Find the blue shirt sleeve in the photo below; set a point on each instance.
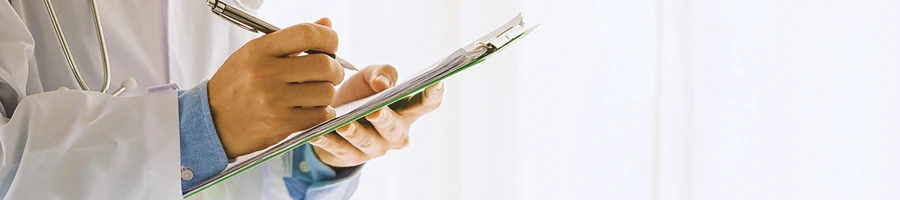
(202, 154)
(312, 179)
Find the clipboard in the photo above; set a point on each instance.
(463, 58)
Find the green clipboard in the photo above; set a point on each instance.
(467, 56)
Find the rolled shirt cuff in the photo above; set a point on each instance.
(202, 154)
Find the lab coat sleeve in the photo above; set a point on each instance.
(89, 145)
(76, 144)
(312, 179)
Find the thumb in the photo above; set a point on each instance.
(324, 22)
(365, 83)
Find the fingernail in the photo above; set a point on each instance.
(383, 115)
(380, 113)
(346, 130)
(383, 79)
(317, 141)
(439, 87)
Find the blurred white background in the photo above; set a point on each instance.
(642, 99)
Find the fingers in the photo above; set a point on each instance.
(306, 95)
(380, 77)
(390, 125)
(369, 81)
(314, 67)
(282, 126)
(334, 150)
(355, 144)
(298, 38)
(425, 102)
(434, 95)
(300, 118)
(365, 139)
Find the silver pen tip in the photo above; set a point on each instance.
(345, 64)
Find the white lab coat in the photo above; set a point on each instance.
(88, 145)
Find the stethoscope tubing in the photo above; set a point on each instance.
(65, 47)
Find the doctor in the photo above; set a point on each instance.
(74, 144)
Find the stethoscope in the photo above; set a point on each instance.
(126, 84)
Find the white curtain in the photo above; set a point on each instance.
(643, 99)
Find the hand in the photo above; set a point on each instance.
(264, 91)
(383, 130)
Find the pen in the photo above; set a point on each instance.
(249, 22)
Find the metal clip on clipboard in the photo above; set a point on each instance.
(502, 39)
(460, 60)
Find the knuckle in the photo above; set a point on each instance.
(324, 113)
(260, 76)
(364, 142)
(329, 112)
(315, 93)
(267, 97)
(255, 76)
(337, 73)
(325, 68)
(338, 152)
(320, 62)
(324, 33)
(302, 30)
(330, 69)
(315, 32)
(331, 33)
(333, 37)
(328, 91)
(392, 127)
(255, 48)
(254, 45)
